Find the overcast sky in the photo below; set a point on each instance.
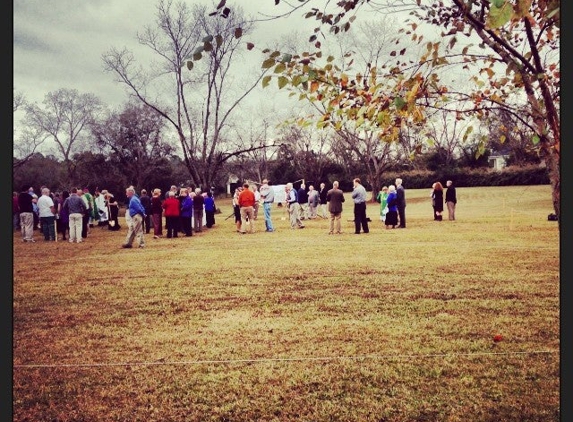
(59, 43)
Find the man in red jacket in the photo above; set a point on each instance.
(247, 206)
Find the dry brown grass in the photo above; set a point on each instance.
(297, 325)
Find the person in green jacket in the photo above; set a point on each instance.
(382, 198)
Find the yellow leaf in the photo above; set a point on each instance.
(282, 81)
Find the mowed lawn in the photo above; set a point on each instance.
(297, 325)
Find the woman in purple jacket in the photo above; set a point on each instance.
(186, 211)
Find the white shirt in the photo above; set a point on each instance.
(44, 204)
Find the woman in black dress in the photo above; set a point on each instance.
(438, 201)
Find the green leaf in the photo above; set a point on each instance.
(208, 38)
(535, 139)
(499, 16)
(266, 81)
(498, 3)
(399, 103)
(199, 50)
(286, 58)
(189, 64)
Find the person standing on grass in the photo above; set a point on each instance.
(210, 210)
(432, 191)
(257, 201)
(302, 199)
(237, 208)
(392, 214)
(313, 202)
(146, 202)
(101, 205)
(198, 210)
(93, 214)
(113, 211)
(268, 198)
(451, 200)
(137, 214)
(247, 205)
(359, 198)
(157, 212)
(185, 212)
(64, 217)
(438, 201)
(335, 198)
(382, 198)
(75, 206)
(293, 207)
(47, 213)
(401, 198)
(26, 210)
(15, 212)
(171, 209)
(323, 202)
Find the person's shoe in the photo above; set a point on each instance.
(301, 227)
(126, 246)
(156, 237)
(142, 246)
(330, 232)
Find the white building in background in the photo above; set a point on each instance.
(498, 161)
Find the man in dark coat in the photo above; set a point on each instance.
(451, 200)
(401, 198)
(335, 198)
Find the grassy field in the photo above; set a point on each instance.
(297, 325)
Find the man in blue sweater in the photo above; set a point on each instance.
(137, 213)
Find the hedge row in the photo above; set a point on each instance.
(509, 176)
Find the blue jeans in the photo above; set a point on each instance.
(48, 227)
(267, 209)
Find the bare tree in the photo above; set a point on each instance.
(366, 147)
(202, 98)
(65, 119)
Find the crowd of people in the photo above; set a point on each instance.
(72, 214)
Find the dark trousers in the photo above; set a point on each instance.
(146, 226)
(172, 226)
(360, 218)
(210, 217)
(85, 223)
(48, 227)
(186, 226)
(402, 215)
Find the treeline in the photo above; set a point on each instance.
(97, 171)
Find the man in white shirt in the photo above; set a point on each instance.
(47, 213)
